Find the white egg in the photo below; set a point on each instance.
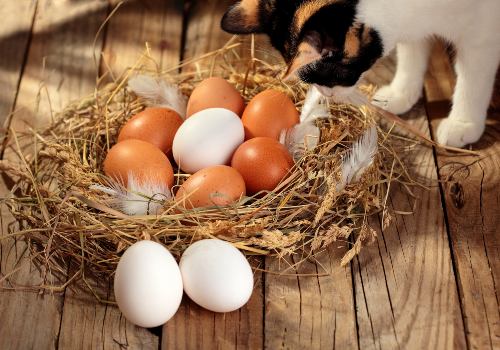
(216, 275)
(207, 138)
(148, 284)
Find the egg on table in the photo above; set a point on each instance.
(215, 93)
(216, 275)
(140, 160)
(218, 185)
(148, 284)
(268, 113)
(263, 162)
(157, 126)
(207, 138)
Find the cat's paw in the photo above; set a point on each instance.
(397, 101)
(458, 133)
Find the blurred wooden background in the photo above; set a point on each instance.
(430, 281)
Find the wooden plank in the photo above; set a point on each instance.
(60, 67)
(19, 317)
(134, 24)
(203, 32)
(303, 310)
(307, 311)
(440, 77)
(192, 327)
(288, 322)
(157, 23)
(87, 324)
(15, 33)
(195, 328)
(472, 197)
(28, 320)
(405, 285)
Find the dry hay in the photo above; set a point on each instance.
(64, 221)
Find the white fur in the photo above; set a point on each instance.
(474, 29)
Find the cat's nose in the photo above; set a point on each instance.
(290, 73)
(306, 54)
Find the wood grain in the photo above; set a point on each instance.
(440, 77)
(472, 198)
(15, 31)
(27, 320)
(60, 67)
(399, 293)
(310, 306)
(60, 55)
(305, 316)
(159, 24)
(203, 32)
(192, 327)
(405, 287)
(85, 323)
(195, 328)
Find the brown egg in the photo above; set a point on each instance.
(145, 161)
(154, 125)
(263, 162)
(217, 185)
(215, 93)
(268, 113)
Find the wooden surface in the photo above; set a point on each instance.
(405, 283)
(471, 205)
(428, 282)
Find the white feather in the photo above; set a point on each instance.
(314, 105)
(305, 135)
(139, 198)
(359, 158)
(301, 138)
(158, 92)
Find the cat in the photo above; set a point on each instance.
(331, 43)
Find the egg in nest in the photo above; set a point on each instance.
(157, 126)
(263, 162)
(219, 185)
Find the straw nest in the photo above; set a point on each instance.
(66, 223)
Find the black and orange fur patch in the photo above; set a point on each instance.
(345, 48)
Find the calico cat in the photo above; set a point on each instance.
(330, 43)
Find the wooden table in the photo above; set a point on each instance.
(429, 281)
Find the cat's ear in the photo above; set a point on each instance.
(306, 54)
(242, 18)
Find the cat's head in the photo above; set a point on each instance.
(320, 40)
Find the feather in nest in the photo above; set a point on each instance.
(305, 135)
(158, 92)
(362, 154)
(359, 158)
(139, 198)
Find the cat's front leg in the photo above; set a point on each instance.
(476, 69)
(406, 87)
